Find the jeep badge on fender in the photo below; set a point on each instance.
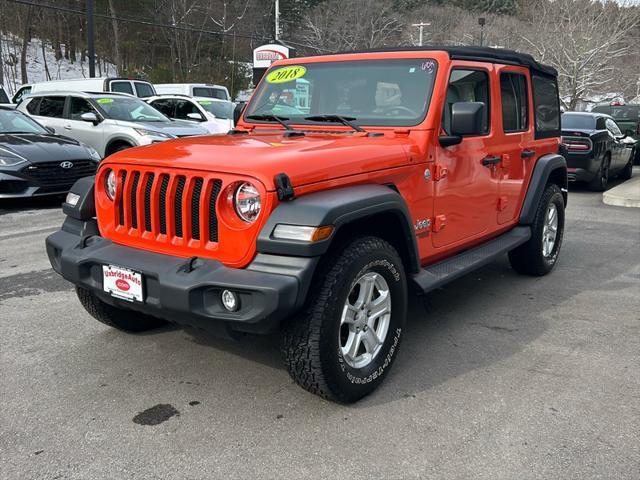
(313, 216)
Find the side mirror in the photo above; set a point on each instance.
(195, 116)
(237, 112)
(90, 117)
(51, 130)
(467, 118)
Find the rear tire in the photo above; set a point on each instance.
(601, 180)
(125, 320)
(344, 342)
(627, 171)
(537, 256)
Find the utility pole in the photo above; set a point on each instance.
(481, 22)
(277, 35)
(421, 26)
(90, 40)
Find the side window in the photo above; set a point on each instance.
(32, 106)
(220, 93)
(515, 102)
(165, 106)
(52, 107)
(600, 124)
(467, 86)
(185, 107)
(612, 127)
(122, 87)
(20, 94)
(78, 106)
(3, 96)
(144, 90)
(546, 106)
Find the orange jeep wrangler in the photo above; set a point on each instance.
(349, 181)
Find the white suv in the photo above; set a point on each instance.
(109, 122)
(216, 116)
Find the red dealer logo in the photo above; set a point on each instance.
(272, 55)
(122, 284)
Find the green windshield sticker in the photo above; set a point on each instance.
(205, 102)
(105, 100)
(286, 74)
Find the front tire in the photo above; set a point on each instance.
(343, 343)
(539, 254)
(125, 320)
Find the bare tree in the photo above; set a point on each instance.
(583, 40)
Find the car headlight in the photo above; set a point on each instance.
(152, 133)
(9, 158)
(247, 202)
(110, 184)
(93, 153)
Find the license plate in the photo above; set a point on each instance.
(122, 283)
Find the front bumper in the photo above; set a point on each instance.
(270, 289)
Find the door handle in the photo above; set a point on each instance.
(67, 127)
(528, 153)
(490, 161)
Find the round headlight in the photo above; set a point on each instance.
(247, 202)
(110, 184)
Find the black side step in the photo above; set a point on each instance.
(436, 275)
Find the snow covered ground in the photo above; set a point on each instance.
(58, 70)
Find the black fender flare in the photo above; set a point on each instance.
(85, 207)
(337, 207)
(546, 166)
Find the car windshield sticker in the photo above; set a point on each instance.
(286, 74)
(105, 100)
(205, 102)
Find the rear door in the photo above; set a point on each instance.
(51, 113)
(516, 135)
(466, 187)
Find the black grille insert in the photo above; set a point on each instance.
(121, 201)
(213, 216)
(134, 200)
(178, 205)
(163, 204)
(195, 209)
(147, 202)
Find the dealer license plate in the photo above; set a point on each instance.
(122, 283)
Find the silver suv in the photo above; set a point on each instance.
(109, 122)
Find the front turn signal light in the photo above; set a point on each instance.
(302, 233)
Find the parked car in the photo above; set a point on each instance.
(595, 148)
(216, 116)
(135, 87)
(194, 90)
(34, 161)
(628, 119)
(108, 122)
(3, 96)
(320, 223)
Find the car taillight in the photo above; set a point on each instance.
(575, 144)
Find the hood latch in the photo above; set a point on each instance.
(284, 187)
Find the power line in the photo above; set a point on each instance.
(189, 28)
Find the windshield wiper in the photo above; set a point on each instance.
(267, 117)
(348, 121)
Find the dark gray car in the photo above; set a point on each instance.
(33, 161)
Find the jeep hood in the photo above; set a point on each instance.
(306, 159)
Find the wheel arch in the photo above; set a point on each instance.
(551, 168)
(108, 149)
(356, 210)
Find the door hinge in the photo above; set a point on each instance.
(439, 222)
(439, 172)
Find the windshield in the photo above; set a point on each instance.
(12, 121)
(129, 109)
(374, 92)
(219, 109)
(586, 122)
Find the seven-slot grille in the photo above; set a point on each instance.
(168, 204)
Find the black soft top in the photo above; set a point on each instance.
(482, 54)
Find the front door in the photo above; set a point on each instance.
(466, 187)
(78, 129)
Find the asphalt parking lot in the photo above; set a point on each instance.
(499, 377)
